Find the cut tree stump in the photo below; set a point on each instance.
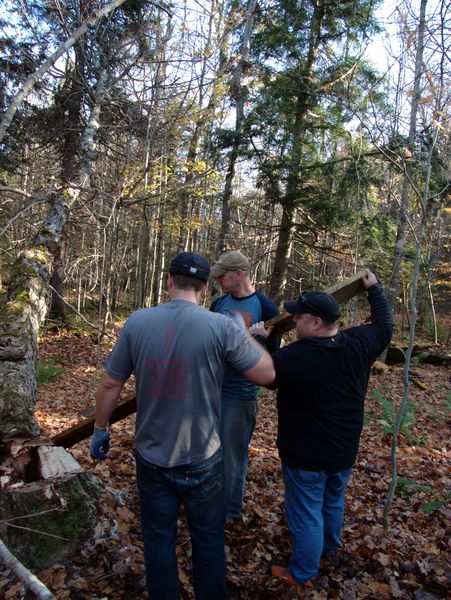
(47, 500)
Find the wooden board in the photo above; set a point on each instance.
(84, 428)
(347, 289)
(342, 292)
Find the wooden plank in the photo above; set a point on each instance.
(84, 428)
(342, 292)
(348, 288)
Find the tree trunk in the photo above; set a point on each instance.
(279, 274)
(402, 220)
(238, 93)
(291, 197)
(57, 306)
(26, 306)
(43, 486)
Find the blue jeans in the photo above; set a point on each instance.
(200, 488)
(237, 426)
(314, 507)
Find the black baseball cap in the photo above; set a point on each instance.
(190, 264)
(319, 304)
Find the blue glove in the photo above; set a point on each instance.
(100, 441)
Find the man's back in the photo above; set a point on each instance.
(178, 352)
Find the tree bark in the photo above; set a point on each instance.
(402, 220)
(291, 197)
(30, 581)
(238, 93)
(28, 294)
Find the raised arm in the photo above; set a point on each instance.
(381, 313)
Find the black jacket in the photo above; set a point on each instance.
(322, 383)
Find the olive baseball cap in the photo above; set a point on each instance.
(190, 264)
(233, 260)
(319, 304)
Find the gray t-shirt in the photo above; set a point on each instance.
(179, 352)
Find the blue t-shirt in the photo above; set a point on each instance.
(253, 308)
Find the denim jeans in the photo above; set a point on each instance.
(200, 488)
(237, 426)
(314, 507)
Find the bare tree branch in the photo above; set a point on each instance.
(32, 79)
(24, 575)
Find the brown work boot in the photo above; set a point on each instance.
(285, 576)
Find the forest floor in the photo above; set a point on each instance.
(409, 560)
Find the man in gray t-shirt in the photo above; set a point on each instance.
(178, 352)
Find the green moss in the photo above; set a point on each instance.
(73, 519)
(48, 371)
(11, 311)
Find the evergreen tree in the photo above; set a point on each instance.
(311, 81)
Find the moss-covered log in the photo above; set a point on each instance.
(424, 353)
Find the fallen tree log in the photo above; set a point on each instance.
(423, 353)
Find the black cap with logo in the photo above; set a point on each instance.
(319, 304)
(190, 264)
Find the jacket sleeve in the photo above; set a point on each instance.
(381, 317)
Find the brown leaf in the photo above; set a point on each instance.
(382, 590)
(384, 559)
(14, 592)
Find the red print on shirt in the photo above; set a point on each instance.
(168, 377)
(247, 316)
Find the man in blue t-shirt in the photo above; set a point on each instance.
(239, 396)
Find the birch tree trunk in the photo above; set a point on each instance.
(42, 482)
(37, 75)
(407, 363)
(28, 294)
(423, 196)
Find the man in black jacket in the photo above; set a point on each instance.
(322, 381)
